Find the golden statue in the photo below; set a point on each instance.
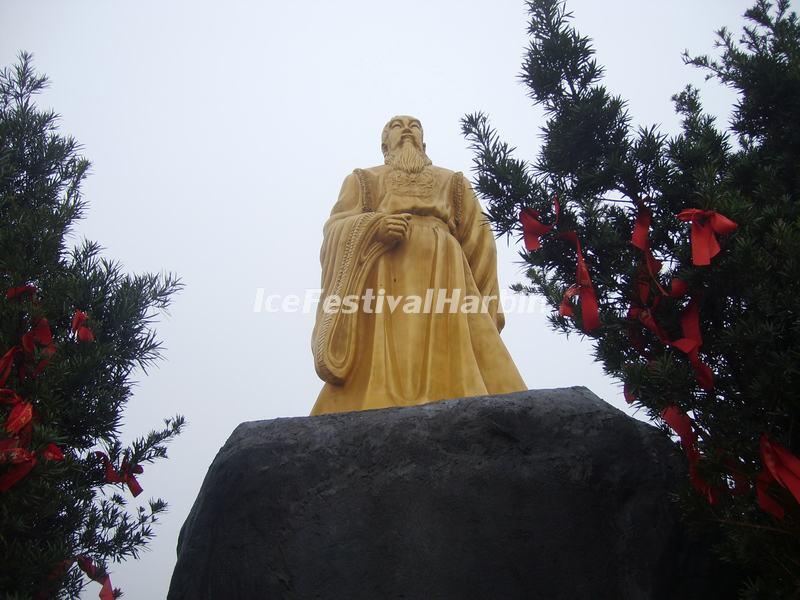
(410, 310)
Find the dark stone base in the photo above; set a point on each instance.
(542, 494)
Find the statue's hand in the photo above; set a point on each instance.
(393, 228)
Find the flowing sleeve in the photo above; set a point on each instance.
(474, 233)
(349, 251)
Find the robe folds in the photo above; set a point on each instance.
(385, 348)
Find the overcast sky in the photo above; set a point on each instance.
(220, 133)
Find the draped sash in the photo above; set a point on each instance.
(349, 252)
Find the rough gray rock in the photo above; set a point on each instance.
(541, 494)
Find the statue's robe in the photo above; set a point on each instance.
(400, 357)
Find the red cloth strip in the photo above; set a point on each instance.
(125, 475)
(533, 229)
(583, 288)
(88, 567)
(705, 225)
(681, 424)
(782, 465)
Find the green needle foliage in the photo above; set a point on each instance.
(66, 508)
(605, 172)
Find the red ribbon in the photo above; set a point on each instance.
(644, 311)
(10, 451)
(705, 225)
(48, 352)
(125, 475)
(39, 334)
(47, 589)
(782, 464)
(781, 467)
(681, 424)
(692, 339)
(9, 396)
(644, 315)
(640, 239)
(649, 271)
(641, 228)
(19, 291)
(83, 333)
(628, 394)
(583, 288)
(88, 567)
(19, 417)
(52, 452)
(23, 461)
(765, 501)
(7, 362)
(677, 288)
(533, 229)
(10, 478)
(690, 344)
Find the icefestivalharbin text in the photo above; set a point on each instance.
(434, 301)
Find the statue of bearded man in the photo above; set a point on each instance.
(410, 309)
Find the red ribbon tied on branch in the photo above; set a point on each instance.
(22, 460)
(82, 333)
(643, 312)
(681, 424)
(7, 362)
(21, 413)
(125, 475)
(582, 288)
(781, 467)
(39, 335)
(9, 397)
(690, 344)
(52, 452)
(641, 228)
(706, 224)
(533, 229)
(88, 567)
(630, 398)
(19, 291)
(19, 417)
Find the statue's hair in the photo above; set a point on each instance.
(385, 132)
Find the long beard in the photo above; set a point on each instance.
(408, 158)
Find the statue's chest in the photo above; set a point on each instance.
(413, 192)
(416, 185)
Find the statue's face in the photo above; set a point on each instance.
(404, 130)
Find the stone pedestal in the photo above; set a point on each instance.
(542, 494)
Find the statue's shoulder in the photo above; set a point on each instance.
(363, 184)
(442, 172)
(456, 180)
(372, 172)
(378, 170)
(367, 177)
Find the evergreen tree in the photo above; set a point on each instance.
(623, 228)
(73, 327)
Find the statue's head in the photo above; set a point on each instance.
(402, 144)
(399, 130)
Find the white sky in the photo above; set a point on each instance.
(220, 134)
